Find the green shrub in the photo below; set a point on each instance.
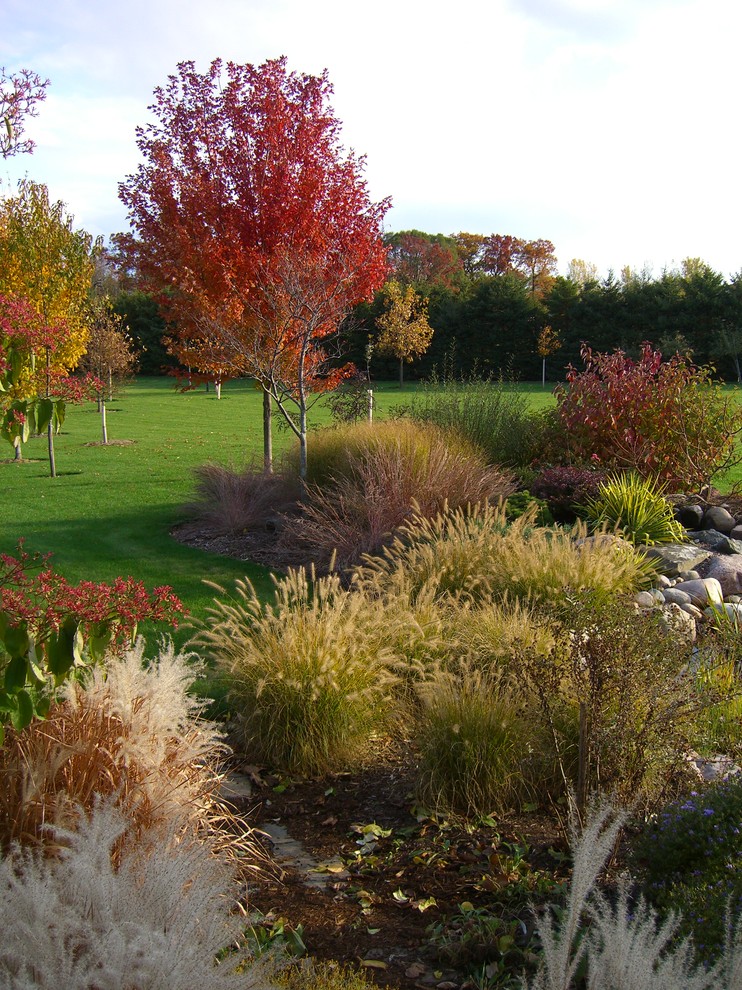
(624, 690)
(689, 861)
(636, 508)
(309, 677)
(520, 502)
(490, 412)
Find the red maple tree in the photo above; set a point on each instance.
(257, 223)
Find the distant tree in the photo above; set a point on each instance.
(404, 330)
(581, 272)
(424, 260)
(470, 249)
(548, 342)
(147, 329)
(500, 254)
(537, 262)
(249, 210)
(49, 265)
(20, 94)
(110, 356)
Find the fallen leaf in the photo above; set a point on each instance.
(331, 820)
(374, 963)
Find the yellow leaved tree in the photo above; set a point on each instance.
(404, 331)
(48, 266)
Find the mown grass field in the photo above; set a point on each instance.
(111, 508)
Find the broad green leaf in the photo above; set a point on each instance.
(60, 648)
(44, 414)
(16, 640)
(15, 674)
(22, 716)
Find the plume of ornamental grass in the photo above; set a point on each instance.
(131, 730)
(403, 468)
(617, 942)
(475, 553)
(310, 676)
(112, 913)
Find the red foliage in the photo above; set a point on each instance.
(252, 219)
(417, 259)
(662, 419)
(44, 600)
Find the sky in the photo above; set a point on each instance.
(609, 127)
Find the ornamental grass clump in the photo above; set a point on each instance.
(230, 501)
(398, 468)
(475, 553)
(616, 941)
(309, 675)
(130, 730)
(476, 743)
(109, 912)
(635, 508)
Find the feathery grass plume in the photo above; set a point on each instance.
(475, 553)
(475, 743)
(231, 501)
(157, 913)
(310, 675)
(402, 468)
(617, 940)
(637, 509)
(133, 730)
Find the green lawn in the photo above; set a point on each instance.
(111, 508)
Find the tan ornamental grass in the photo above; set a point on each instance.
(310, 676)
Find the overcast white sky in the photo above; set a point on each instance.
(610, 127)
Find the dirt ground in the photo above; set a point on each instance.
(366, 876)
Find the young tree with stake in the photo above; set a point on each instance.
(250, 213)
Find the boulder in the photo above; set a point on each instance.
(727, 571)
(675, 597)
(704, 591)
(719, 518)
(716, 541)
(690, 516)
(675, 558)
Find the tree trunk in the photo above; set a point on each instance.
(370, 393)
(50, 443)
(17, 448)
(543, 372)
(267, 434)
(218, 389)
(736, 365)
(302, 445)
(103, 419)
(401, 372)
(50, 427)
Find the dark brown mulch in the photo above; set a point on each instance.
(375, 900)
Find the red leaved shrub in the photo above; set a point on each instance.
(662, 419)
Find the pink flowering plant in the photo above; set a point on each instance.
(50, 629)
